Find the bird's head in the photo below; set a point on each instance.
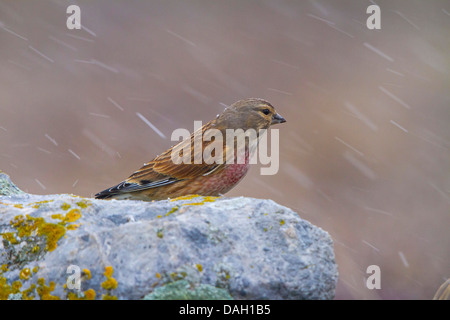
(249, 114)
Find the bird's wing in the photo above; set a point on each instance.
(192, 160)
(163, 170)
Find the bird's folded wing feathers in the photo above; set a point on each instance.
(163, 170)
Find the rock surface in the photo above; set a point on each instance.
(190, 247)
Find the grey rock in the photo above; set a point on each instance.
(246, 248)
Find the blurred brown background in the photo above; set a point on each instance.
(365, 151)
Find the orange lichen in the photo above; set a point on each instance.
(205, 199)
(44, 291)
(89, 294)
(25, 274)
(110, 283)
(108, 271)
(72, 215)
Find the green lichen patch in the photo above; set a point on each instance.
(183, 290)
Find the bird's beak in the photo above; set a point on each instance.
(277, 119)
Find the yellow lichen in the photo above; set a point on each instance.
(199, 267)
(281, 222)
(190, 197)
(73, 296)
(110, 283)
(5, 288)
(205, 199)
(20, 206)
(72, 215)
(16, 285)
(108, 271)
(44, 291)
(158, 275)
(87, 272)
(9, 236)
(40, 287)
(57, 216)
(65, 206)
(37, 205)
(89, 294)
(25, 274)
(108, 297)
(31, 226)
(172, 210)
(28, 293)
(53, 232)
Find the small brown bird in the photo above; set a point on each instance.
(164, 178)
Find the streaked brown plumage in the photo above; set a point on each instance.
(161, 178)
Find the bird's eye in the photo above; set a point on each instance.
(266, 111)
